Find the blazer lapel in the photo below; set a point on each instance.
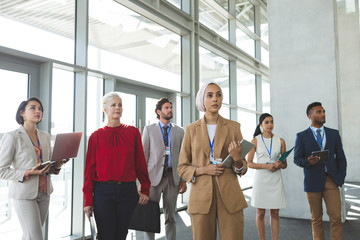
(173, 135)
(203, 137)
(25, 137)
(160, 135)
(327, 133)
(220, 136)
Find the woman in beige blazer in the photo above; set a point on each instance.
(215, 196)
(21, 154)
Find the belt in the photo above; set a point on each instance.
(113, 182)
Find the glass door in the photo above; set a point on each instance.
(13, 90)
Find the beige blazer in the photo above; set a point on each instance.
(154, 150)
(17, 154)
(195, 153)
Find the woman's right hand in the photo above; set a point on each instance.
(89, 210)
(271, 167)
(36, 171)
(212, 169)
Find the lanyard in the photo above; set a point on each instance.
(266, 146)
(212, 147)
(162, 131)
(320, 141)
(38, 147)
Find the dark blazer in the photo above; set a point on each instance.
(314, 175)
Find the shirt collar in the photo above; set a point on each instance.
(314, 129)
(162, 125)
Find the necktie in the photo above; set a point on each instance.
(318, 135)
(166, 142)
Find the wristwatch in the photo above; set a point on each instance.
(193, 179)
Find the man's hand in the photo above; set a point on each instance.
(182, 187)
(313, 159)
(213, 169)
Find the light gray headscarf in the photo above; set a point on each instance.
(200, 96)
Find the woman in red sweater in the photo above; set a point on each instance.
(114, 160)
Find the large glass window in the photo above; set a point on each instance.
(214, 68)
(129, 109)
(176, 3)
(248, 125)
(129, 45)
(266, 96)
(245, 42)
(150, 104)
(245, 13)
(39, 27)
(62, 114)
(265, 56)
(94, 104)
(13, 90)
(223, 3)
(246, 89)
(213, 19)
(264, 26)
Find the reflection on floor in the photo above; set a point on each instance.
(290, 228)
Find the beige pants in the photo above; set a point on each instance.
(331, 195)
(231, 225)
(32, 214)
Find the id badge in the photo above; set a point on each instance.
(167, 150)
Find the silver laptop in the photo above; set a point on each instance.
(66, 146)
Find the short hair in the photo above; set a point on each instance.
(311, 106)
(108, 97)
(159, 105)
(21, 108)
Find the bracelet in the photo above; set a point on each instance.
(238, 170)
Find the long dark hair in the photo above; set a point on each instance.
(261, 119)
(21, 108)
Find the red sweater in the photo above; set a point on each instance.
(115, 154)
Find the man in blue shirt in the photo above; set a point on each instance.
(162, 143)
(321, 179)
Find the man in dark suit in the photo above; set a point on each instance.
(321, 180)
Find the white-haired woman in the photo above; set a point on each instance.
(216, 196)
(114, 160)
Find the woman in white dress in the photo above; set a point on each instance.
(268, 188)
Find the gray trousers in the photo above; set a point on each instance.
(170, 193)
(32, 214)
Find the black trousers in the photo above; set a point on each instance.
(114, 204)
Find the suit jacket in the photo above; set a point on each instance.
(154, 150)
(195, 153)
(17, 154)
(314, 175)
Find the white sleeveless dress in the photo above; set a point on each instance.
(268, 187)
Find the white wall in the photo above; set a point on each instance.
(303, 69)
(349, 71)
